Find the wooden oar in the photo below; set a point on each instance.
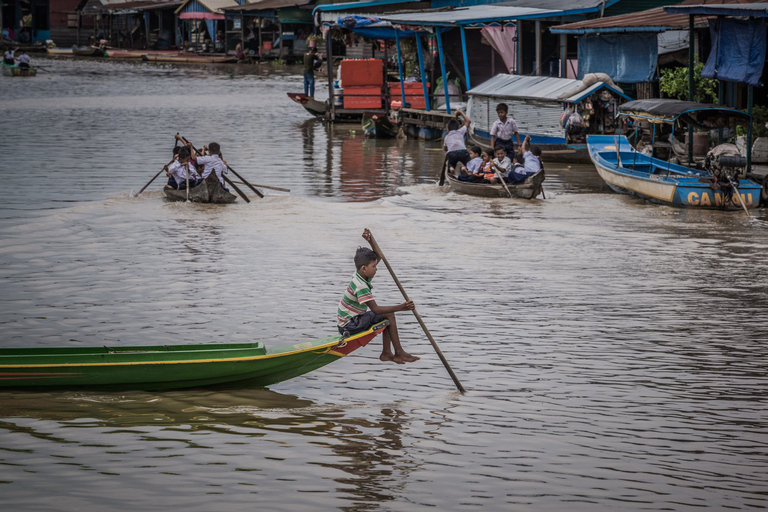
(442, 172)
(258, 192)
(227, 180)
(165, 168)
(239, 192)
(380, 253)
(265, 186)
(496, 171)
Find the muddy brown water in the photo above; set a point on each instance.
(615, 353)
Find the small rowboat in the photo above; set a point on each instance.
(528, 189)
(188, 58)
(17, 71)
(88, 51)
(379, 126)
(171, 367)
(209, 191)
(59, 51)
(313, 106)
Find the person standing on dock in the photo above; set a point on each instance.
(503, 130)
(312, 61)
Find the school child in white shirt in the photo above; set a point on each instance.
(8, 57)
(504, 129)
(453, 142)
(213, 162)
(531, 156)
(182, 170)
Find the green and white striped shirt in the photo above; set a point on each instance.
(358, 292)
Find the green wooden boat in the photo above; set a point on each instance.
(171, 367)
(17, 71)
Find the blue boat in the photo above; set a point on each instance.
(628, 171)
(716, 185)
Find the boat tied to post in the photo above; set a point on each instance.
(719, 182)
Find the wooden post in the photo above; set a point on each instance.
(329, 68)
(537, 25)
(691, 64)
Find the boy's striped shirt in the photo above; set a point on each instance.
(358, 292)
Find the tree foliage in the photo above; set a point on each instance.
(674, 83)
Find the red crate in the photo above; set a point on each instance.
(361, 101)
(356, 72)
(410, 88)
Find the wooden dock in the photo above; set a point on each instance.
(424, 124)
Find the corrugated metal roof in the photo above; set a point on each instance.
(755, 10)
(358, 5)
(538, 88)
(216, 6)
(556, 5)
(143, 5)
(470, 15)
(265, 5)
(652, 20)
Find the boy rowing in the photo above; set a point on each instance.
(353, 316)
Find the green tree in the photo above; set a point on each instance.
(674, 83)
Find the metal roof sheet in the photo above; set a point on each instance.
(357, 5)
(652, 20)
(755, 10)
(265, 5)
(538, 88)
(470, 15)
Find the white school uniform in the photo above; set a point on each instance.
(23, 58)
(505, 130)
(454, 140)
(473, 165)
(505, 164)
(531, 162)
(8, 55)
(213, 163)
(180, 172)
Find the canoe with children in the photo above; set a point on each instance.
(490, 172)
(199, 179)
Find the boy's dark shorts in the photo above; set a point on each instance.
(360, 323)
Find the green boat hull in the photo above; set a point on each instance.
(171, 367)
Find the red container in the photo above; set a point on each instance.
(359, 102)
(358, 72)
(410, 88)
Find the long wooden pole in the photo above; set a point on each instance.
(501, 179)
(165, 168)
(380, 253)
(270, 187)
(740, 199)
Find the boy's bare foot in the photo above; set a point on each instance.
(406, 357)
(389, 357)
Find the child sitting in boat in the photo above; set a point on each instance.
(181, 170)
(353, 315)
(23, 59)
(500, 166)
(531, 156)
(474, 164)
(213, 162)
(453, 142)
(517, 173)
(8, 57)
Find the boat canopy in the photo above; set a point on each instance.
(702, 115)
(544, 88)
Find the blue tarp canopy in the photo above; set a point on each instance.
(738, 50)
(627, 58)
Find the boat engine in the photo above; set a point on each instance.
(725, 163)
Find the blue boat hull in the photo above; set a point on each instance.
(629, 172)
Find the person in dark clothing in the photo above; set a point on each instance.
(312, 61)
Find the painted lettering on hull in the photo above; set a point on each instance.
(716, 199)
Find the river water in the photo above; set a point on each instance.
(615, 353)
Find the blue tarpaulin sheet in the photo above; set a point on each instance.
(738, 50)
(627, 58)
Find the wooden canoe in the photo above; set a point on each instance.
(310, 104)
(379, 126)
(188, 58)
(528, 189)
(209, 191)
(171, 367)
(88, 51)
(17, 71)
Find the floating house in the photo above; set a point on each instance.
(542, 108)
